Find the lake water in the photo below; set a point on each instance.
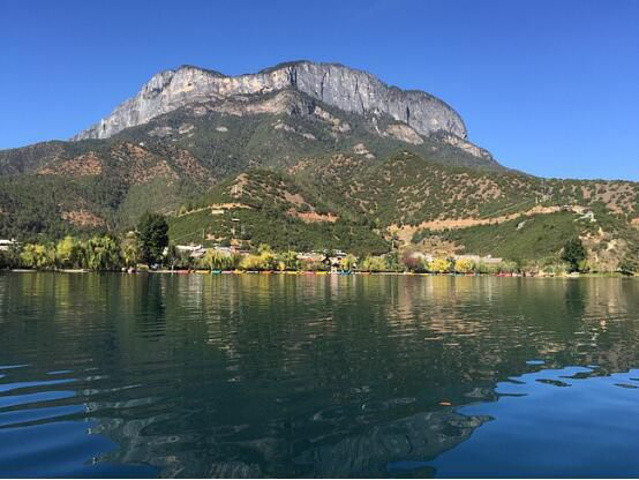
(302, 376)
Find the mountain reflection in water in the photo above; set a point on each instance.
(236, 376)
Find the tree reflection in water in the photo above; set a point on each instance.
(281, 375)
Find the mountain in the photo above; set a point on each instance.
(346, 202)
(305, 155)
(332, 84)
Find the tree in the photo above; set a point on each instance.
(9, 258)
(234, 261)
(68, 253)
(464, 265)
(374, 264)
(628, 266)
(439, 265)
(153, 231)
(289, 260)
(268, 260)
(573, 253)
(103, 253)
(252, 262)
(131, 251)
(507, 266)
(349, 262)
(37, 256)
(216, 260)
(413, 261)
(178, 258)
(392, 261)
(264, 248)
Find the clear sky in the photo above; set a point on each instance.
(549, 87)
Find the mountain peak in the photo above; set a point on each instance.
(348, 89)
(187, 66)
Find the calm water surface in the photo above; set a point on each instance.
(300, 376)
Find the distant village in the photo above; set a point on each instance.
(220, 258)
(109, 253)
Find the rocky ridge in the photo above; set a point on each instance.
(336, 85)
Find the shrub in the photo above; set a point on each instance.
(573, 253)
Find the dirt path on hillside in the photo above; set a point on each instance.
(405, 232)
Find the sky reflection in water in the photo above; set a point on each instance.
(116, 375)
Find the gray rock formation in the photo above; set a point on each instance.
(336, 85)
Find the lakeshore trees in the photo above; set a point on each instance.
(68, 253)
(464, 265)
(37, 256)
(153, 232)
(103, 253)
(289, 261)
(131, 250)
(96, 253)
(113, 253)
(216, 260)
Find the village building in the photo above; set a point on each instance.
(311, 256)
(490, 260)
(193, 251)
(424, 257)
(6, 245)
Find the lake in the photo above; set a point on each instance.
(317, 376)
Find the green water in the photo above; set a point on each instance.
(303, 376)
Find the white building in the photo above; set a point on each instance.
(5, 245)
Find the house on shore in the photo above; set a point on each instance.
(193, 251)
(488, 260)
(6, 245)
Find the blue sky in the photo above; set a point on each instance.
(549, 87)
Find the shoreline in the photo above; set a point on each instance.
(322, 273)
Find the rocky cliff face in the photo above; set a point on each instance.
(342, 87)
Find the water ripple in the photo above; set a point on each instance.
(289, 376)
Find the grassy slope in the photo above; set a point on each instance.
(407, 189)
(541, 238)
(537, 237)
(281, 232)
(271, 218)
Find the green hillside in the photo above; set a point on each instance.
(262, 206)
(56, 187)
(309, 177)
(536, 237)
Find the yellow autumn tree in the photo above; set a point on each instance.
(464, 265)
(439, 265)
